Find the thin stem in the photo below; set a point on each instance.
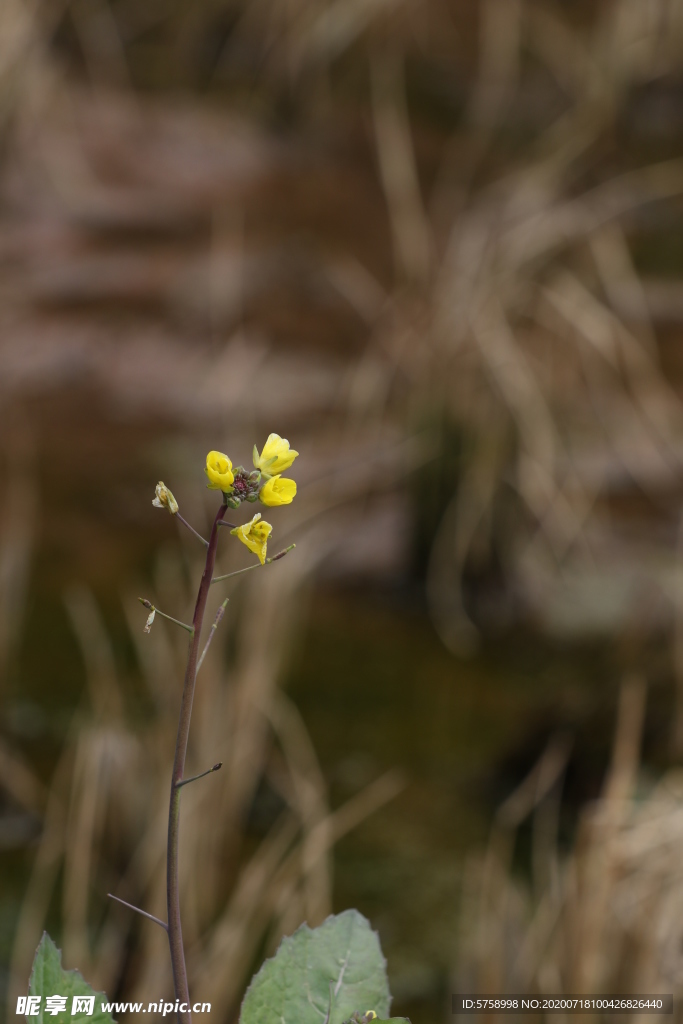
(280, 554)
(224, 523)
(219, 615)
(191, 529)
(175, 933)
(157, 920)
(148, 604)
(256, 565)
(193, 778)
(237, 572)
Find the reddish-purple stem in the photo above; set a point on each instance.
(175, 934)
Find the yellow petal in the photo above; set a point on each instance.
(254, 535)
(276, 455)
(219, 471)
(279, 490)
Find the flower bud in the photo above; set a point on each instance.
(164, 498)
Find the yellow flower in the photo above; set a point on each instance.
(254, 535)
(164, 498)
(276, 456)
(219, 471)
(279, 490)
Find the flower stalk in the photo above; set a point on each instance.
(193, 778)
(192, 529)
(236, 486)
(157, 611)
(131, 906)
(219, 615)
(256, 565)
(175, 932)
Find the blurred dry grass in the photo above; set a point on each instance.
(603, 918)
(476, 263)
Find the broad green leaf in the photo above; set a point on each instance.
(48, 978)
(321, 976)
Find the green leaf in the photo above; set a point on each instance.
(321, 976)
(48, 978)
(392, 1020)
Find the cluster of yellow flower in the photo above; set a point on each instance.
(265, 484)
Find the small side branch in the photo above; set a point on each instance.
(192, 529)
(256, 565)
(157, 611)
(219, 615)
(157, 920)
(280, 554)
(224, 523)
(193, 778)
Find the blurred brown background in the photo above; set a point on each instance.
(438, 246)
